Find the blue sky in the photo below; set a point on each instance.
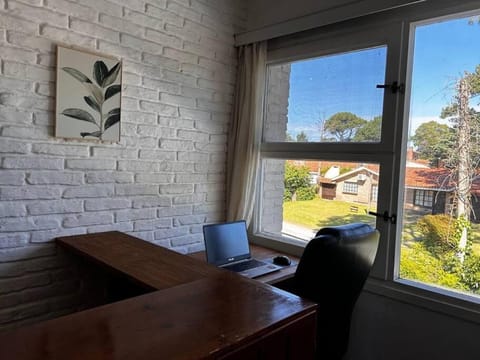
(322, 87)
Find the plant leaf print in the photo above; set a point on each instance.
(98, 93)
(100, 71)
(77, 75)
(112, 75)
(79, 114)
(113, 118)
(92, 103)
(112, 90)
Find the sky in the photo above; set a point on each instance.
(347, 82)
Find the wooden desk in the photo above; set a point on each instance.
(195, 312)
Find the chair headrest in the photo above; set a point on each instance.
(358, 239)
(347, 230)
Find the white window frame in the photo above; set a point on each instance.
(350, 187)
(374, 193)
(389, 153)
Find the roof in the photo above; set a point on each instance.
(355, 171)
(425, 178)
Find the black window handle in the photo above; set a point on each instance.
(394, 87)
(386, 217)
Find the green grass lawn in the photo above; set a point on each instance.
(417, 263)
(318, 213)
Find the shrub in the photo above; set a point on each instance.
(418, 264)
(296, 177)
(438, 233)
(344, 170)
(287, 195)
(305, 193)
(470, 273)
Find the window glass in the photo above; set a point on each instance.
(441, 217)
(423, 198)
(350, 187)
(301, 196)
(328, 99)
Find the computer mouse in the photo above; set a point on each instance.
(282, 260)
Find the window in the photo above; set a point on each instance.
(423, 198)
(327, 99)
(350, 187)
(440, 243)
(295, 209)
(324, 115)
(324, 112)
(374, 193)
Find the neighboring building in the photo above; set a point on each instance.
(358, 185)
(427, 190)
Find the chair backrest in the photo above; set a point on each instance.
(332, 272)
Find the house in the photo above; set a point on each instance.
(427, 190)
(358, 185)
(166, 176)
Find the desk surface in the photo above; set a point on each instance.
(197, 312)
(151, 265)
(262, 253)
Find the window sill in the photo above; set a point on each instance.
(287, 245)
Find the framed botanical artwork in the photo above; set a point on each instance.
(88, 95)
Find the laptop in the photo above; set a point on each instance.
(227, 246)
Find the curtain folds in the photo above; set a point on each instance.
(245, 133)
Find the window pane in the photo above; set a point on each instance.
(299, 197)
(328, 99)
(441, 227)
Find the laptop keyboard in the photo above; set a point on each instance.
(250, 264)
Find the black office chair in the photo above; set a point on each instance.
(332, 271)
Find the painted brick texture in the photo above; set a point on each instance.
(274, 130)
(161, 182)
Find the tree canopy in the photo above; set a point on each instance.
(370, 131)
(302, 137)
(434, 142)
(343, 126)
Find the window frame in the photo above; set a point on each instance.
(384, 280)
(424, 196)
(340, 40)
(350, 184)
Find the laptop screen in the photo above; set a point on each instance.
(226, 242)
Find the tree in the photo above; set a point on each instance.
(370, 131)
(302, 137)
(434, 142)
(464, 161)
(288, 137)
(297, 178)
(343, 126)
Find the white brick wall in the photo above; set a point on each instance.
(161, 182)
(275, 129)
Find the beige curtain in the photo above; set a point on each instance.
(245, 132)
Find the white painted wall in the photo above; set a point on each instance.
(384, 328)
(163, 180)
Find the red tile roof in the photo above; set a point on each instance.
(425, 178)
